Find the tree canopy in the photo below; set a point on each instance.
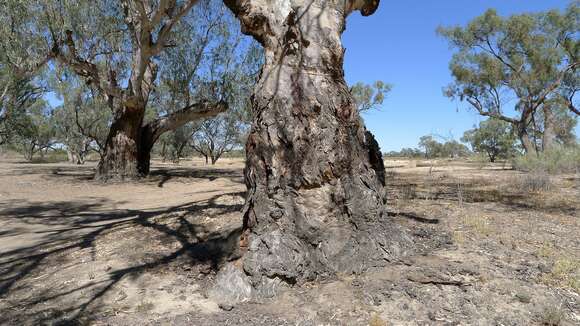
(530, 57)
(494, 138)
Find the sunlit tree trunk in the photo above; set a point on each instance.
(120, 160)
(549, 136)
(315, 176)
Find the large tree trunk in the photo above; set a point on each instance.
(315, 176)
(526, 140)
(549, 136)
(120, 160)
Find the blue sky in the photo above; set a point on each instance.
(398, 45)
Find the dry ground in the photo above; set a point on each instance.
(495, 247)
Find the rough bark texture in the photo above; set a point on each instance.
(316, 201)
(526, 140)
(549, 136)
(120, 160)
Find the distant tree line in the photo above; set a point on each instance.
(429, 147)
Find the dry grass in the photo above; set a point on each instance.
(478, 224)
(534, 182)
(565, 274)
(376, 320)
(551, 316)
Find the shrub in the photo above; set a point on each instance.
(558, 160)
(534, 182)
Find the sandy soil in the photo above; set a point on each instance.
(491, 250)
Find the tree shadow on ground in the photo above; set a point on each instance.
(163, 175)
(77, 230)
(158, 175)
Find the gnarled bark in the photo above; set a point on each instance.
(120, 159)
(316, 201)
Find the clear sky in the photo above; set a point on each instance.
(398, 45)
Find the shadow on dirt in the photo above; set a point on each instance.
(159, 175)
(163, 175)
(72, 228)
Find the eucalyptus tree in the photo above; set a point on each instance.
(532, 57)
(173, 145)
(117, 47)
(219, 63)
(82, 120)
(36, 133)
(18, 96)
(494, 138)
(19, 90)
(369, 97)
(315, 177)
(554, 125)
(216, 137)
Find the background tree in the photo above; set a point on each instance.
(554, 125)
(454, 149)
(219, 62)
(430, 146)
(448, 149)
(174, 145)
(369, 97)
(218, 136)
(493, 137)
(117, 52)
(529, 56)
(406, 152)
(19, 95)
(36, 134)
(81, 121)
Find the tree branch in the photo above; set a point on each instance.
(189, 113)
(479, 107)
(89, 71)
(366, 7)
(168, 26)
(570, 104)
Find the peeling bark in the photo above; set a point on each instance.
(316, 201)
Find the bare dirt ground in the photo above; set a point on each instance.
(495, 247)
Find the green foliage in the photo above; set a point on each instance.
(561, 159)
(36, 133)
(532, 57)
(172, 145)
(493, 137)
(82, 121)
(406, 152)
(449, 149)
(17, 95)
(369, 97)
(218, 136)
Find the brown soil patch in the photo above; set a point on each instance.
(76, 251)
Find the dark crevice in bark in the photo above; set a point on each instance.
(375, 156)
